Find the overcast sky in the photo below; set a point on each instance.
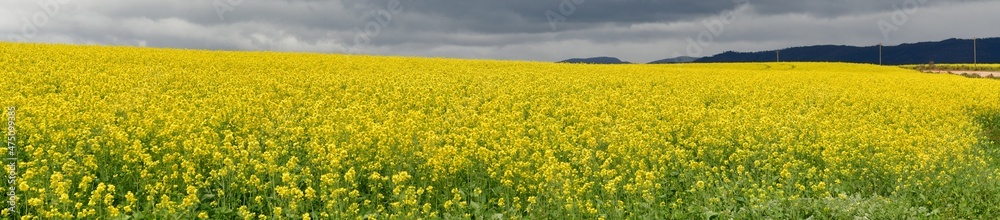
(544, 30)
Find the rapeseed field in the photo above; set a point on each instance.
(137, 133)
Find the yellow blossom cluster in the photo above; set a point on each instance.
(115, 132)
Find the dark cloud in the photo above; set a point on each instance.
(636, 30)
(530, 15)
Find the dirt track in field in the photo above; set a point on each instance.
(959, 72)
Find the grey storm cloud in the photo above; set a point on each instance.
(529, 15)
(547, 30)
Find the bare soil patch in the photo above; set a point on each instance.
(968, 72)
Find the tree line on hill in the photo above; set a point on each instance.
(987, 50)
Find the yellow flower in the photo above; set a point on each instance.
(35, 202)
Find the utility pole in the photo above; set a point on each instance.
(975, 59)
(879, 54)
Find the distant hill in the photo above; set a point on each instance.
(947, 51)
(682, 59)
(595, 60)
